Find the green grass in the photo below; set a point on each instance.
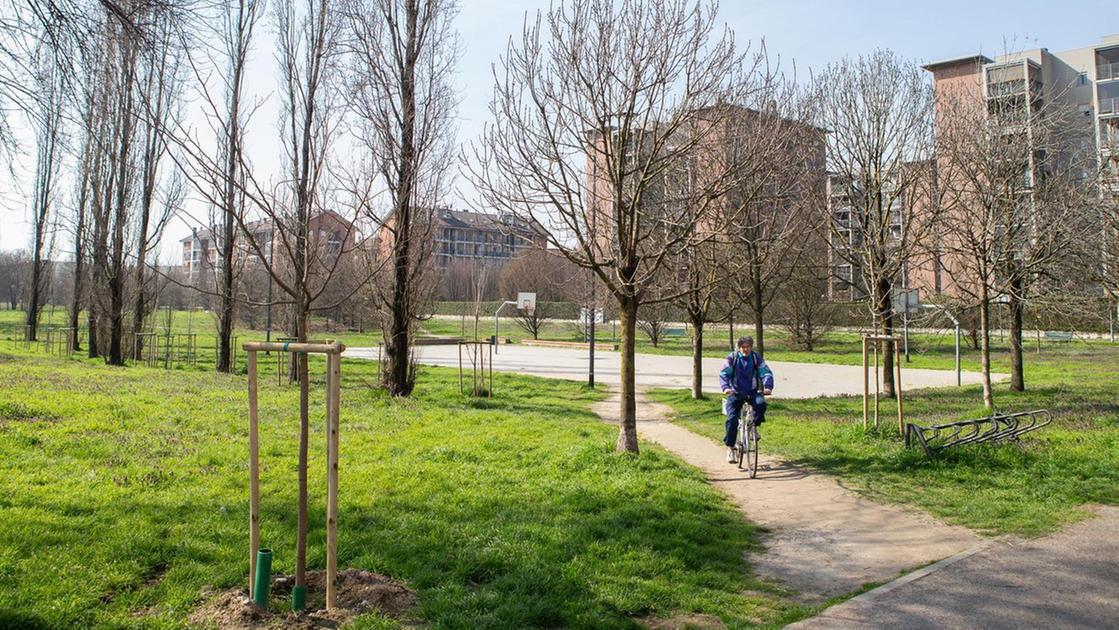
(123, 498)
(1030, 488)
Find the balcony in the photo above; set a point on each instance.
(1107, 72)
(1006, 88)
(1109, 106)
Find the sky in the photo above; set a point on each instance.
(806, 33)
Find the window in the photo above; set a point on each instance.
(1082, 78)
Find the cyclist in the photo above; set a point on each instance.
(744, 379)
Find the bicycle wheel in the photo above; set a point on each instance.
(752, 450)
(740, 446)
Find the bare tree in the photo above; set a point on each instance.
(653, 319)
(218, 177)
(598, 111)
(48, 123)
(308, 241)
(402, 58)
(774, 203)
(547, 274)
(803, 302)
(159, 194)
(1013, 204)
(14, 272)
(878, 113)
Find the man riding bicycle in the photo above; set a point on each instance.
(742, 376)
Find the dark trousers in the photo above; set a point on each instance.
(734, 412)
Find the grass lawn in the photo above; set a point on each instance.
(123, 495)
(1031, 488)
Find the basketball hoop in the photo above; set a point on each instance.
(526, 302)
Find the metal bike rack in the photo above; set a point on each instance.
(999, 427)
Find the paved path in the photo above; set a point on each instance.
(794, 380)
(1067, 580)
(824, 540)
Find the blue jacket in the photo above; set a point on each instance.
(742, 372)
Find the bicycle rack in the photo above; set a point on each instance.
(999, 427)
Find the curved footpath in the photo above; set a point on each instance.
(823, 540)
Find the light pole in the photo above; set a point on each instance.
(593, 312)
(503, 305)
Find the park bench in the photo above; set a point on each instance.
(674, 332)
(996, 428)
(1052, 335)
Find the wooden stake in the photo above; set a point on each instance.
(254, 473)
(876, 388)
(334, 377)
(897, 385)
(866, 384)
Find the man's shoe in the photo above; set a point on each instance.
(730, 455)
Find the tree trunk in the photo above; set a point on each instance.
(91, 323)
(76, 298)
(35, 296)
(697, 354)
(758, 306)
(229, 213)
(886, 318)
(730, 330)
(985, 349)
(121, 211)
(627, 430)
(759, 329)
(138, 310)
(399, 373)
(1017, 312)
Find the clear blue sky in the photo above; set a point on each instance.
(810, 32)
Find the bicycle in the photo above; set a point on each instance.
(746, 446)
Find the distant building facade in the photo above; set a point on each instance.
(200, 262)
(1012, 88)
(461, 235)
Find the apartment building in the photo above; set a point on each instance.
(845, 280)
(1081, 86)
(200, 262)
(461, 235)
(783, 159)
(465, 237)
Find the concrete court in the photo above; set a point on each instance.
(794, 380)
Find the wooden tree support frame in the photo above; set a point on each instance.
(480, 355)
(333, 352)
(872, 341)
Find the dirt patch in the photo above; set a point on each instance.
(689, 621)
(357, 592)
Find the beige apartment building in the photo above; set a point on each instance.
(1082, 83)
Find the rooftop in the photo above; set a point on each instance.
(977, 59)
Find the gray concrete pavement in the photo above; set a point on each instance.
(1067, 580)
(794, 380)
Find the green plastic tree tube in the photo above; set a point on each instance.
(298, 597)
(262, 581)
